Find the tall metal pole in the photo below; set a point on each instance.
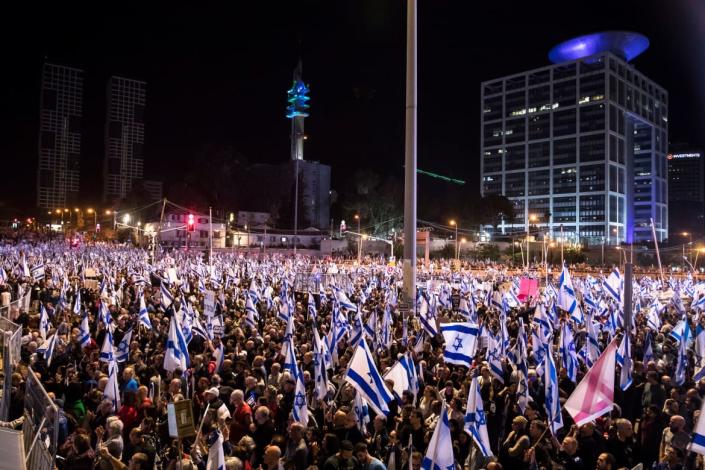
(409, 262)
(457, 252)
(296, 202)
(359, 242)
(562, 241)
(658, 255)
(210, 239)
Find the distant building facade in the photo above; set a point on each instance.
(174, 232)
(581, 144)
(686, 191)
(60, 132)
(123, 165)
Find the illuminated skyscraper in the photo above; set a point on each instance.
(581, 143)
(686, 184)
(60, 114)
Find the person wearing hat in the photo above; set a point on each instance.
(343, 459)
(212, 398)
(511, 454)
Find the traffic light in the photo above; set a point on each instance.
(190, 223)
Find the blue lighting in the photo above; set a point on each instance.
(297, 98)
(625, 44)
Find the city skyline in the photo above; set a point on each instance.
(214, 85)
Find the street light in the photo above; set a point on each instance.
(697, 252)
(95, 216)
(532, 218)
(690, 241)
(455, 224)
(359, 239)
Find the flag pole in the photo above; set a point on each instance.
(658, 255)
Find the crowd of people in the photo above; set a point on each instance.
(98, 331)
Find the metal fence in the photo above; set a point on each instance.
(10, 344)
(42, 421)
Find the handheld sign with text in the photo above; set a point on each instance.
(180, 419)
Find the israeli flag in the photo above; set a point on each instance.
(77, 305)
(652, 320)
(494, 357)
(568, 353)
(682, 361)
(107, 352)
(167, 298)
(552, 400)
(123, 350)
(219, 356)
(567, 299)
(47, 349)
(312, 312)
(460, 343)
(112, 389)
(216, 456)
(364, 377)
(592, 345)
(426, 317)
(104, 314)
(624, 359)
(319, 372)
(476, 420)
(198, 328)
(300, 410)
(344, 300)
(648, 349)
(439, 454)
(144, 314)
(43, 322)
(288, 335)
(176, 354)
(699, 341)
(614, 285)
(84, 334)
(251, 311)
(698, 443)
(362, 413)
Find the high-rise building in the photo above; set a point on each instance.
(60, 114)
(124, 136)
(686, 191)
(580, 145)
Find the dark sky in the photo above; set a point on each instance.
(220, 76)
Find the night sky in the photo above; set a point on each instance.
(219, 76)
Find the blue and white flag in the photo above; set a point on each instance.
(107, 353)
(112, 389)
(567, 299)
(568, 353)
(476, 420)
(592, 346)
(439, 453)
(362, 413)
(494, 357)
(460, 343)
(219, 356)
(614, 285)
(43, 322)
(699, 341)
(426, 317)
(364, 377)
(698, 443)
(216, 456)
(47, 349)
(343, 299)
(300, 409)
(648, 349)
(624, 359)
(167, 298)
(682, 360)
(77, 305)
(144, 314)
(176, 354)
(552, 400)
(84, 334)
(312, 312)
(123, 350)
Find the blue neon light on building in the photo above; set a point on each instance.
(298, 100)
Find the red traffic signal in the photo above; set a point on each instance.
(190, 223)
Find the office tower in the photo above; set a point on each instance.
(124, 137)
(686, 185)
(60, 114)
(581, 144)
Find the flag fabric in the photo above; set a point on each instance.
(460, 343)
(107, 352)
(112, 389)
(682, 360)
(176, 354)
(167, 298)
(216, 456)
(144, 314)
(552, 399)
(320, 366)
(77, 304)
(699, 341)
(300, 409)
(439, 453)
(614, 285)
(624, 359)
(47, 349)
(648, 349)
(494, 358)
(84, 334)
(428, 321)
(43, 322)
(476, 420)
(591, 345)
(219, 356)
(362, 413)
(568, 353)
(567, 299)
(364, 377)
(123, 349)
(594, 395)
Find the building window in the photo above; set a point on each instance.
(539, 182)
(539, 97)
(515, 130)
(539, 127)
(592, 178)
(539, 154)
(592, 118)
(492, 160)
(564, 180)
(592, 209)
(564, 151)
(564, 209)
(514, 158)
(492, 134)
(564, 122)
(492, 184)
(514, 184)
(592, 148)
(515, 104)
(493, 108)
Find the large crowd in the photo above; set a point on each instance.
(116, 337)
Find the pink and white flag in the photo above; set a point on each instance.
(594, 395)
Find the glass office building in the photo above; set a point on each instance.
(580, 145)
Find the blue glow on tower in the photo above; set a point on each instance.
(298, 100)
(624, 44)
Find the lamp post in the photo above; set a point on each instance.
(95, 217)
(690, 243)
(455, 224)
(359, 240)
(532, 218)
